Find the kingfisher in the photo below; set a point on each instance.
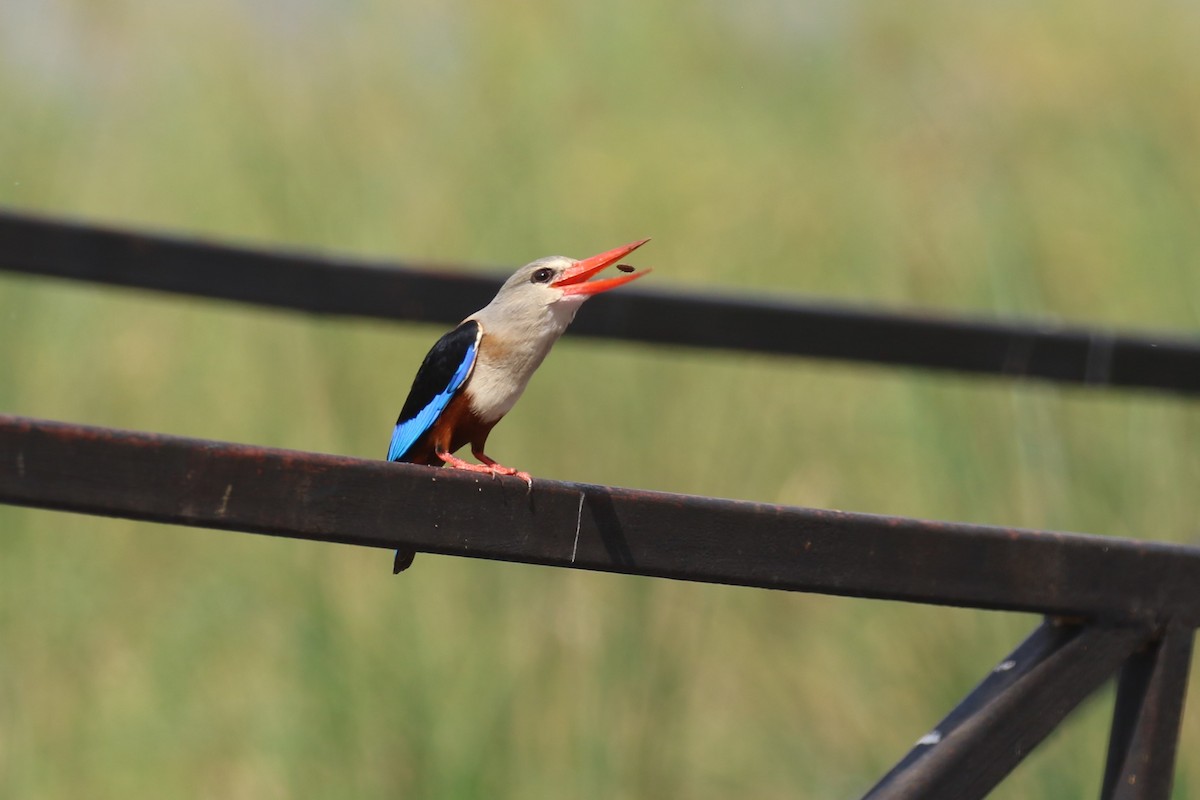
(474, 374)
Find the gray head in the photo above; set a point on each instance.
(541, 298)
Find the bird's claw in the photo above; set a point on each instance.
(491, 467)
(500, 469)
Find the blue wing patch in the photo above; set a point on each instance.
(444, 371)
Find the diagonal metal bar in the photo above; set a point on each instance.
(368, 502)
(1146, 719)
(1090, 356)
(1015, 707)
(1040, 645)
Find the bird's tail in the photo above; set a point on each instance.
(404, 560)
(412, 455)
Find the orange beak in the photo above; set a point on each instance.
(574, 280)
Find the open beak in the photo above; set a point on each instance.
(574, 280)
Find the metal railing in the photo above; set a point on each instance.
(1112, 606)
(425, 293)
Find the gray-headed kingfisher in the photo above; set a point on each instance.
(474, 374)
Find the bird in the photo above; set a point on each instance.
(473, 375)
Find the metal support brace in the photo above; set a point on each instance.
(1015, 707)
(1146, 717)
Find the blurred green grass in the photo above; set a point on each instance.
(1019, 160)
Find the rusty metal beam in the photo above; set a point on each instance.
(1009, 714)
(1146, 719)
(1097, 357)
(366, 502)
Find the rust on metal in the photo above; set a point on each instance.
(375, 503)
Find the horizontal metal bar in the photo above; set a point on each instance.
(1017, 706)
(340, 499)
(1146, 719)
(1090, 356)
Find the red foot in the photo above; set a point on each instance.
(488, 466)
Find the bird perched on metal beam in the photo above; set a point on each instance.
(475, 373)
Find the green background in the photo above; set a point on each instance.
(1005, 159)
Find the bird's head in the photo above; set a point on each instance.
(551, 289)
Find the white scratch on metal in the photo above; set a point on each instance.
(578, 525)
(225, 500)
(933, 737)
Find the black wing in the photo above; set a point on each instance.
(443, 372)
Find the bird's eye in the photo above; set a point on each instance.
(543, 275)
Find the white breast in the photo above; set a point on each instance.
(502, 371)
(515, 340)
